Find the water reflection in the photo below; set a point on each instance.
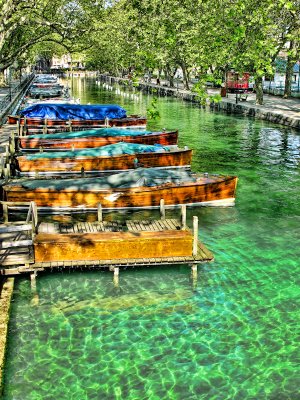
(156, 335)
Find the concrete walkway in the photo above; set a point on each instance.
(5, 91)
(275, 108)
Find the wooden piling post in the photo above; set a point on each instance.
(12, 143)
(194, 275)
(5, 212)
(162, 209)
(6, 154)
(99, 213)
(183, 216)
(33, 281)
(34, 216)
(7, 173)
(25, 126)
(45, 126)
(70, 125)
(195, 235)
(116, 276)
(2, 163)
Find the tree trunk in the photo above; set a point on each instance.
(259, 91)
(2, 79)
(289, 73)
(170, 75)
(185, 77)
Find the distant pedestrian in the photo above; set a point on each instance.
(158, 81)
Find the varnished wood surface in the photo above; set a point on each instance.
(163, 138)
(109, 240)
(204, 190)
(131, 120)
(112, 245)
(162, 240)
(125, 161)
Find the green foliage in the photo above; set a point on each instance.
(148, 35)
(200, 90)
(152, 112)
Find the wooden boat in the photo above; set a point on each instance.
(73, 116)
(117, 156)
(144, 187)
(96, 138)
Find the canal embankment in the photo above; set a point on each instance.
(6, 292)
(274, 109)
(11, 96)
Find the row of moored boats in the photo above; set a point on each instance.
(73, 156)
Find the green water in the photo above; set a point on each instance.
(234, 335)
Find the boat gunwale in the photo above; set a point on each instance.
(18, 187)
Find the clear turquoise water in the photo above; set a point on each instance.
(233, 336)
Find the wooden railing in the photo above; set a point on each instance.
(16, 237)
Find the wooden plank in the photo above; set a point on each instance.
(17, 243)
(176, 223)
(92, 227)
(87, 227)
(131, 226)
(162, 224)
(15, 228)
(154, 225)
(75, 228)
(169, 225)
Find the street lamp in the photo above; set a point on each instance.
(9, 83)
(298, 75)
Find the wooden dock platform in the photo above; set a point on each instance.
(34, 246)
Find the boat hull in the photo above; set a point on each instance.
(163, 138)
(121, 162)
(131, 120)
(210, 190)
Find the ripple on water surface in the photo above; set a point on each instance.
(234, 336)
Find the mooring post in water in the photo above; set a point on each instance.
(183, 216)
(34, 216)
(116, 276)
(12, 143)
(195, 235)
(35, 300)
(7, 172)
(1, 165)
(25, 125)
(99, 213)
(5, 212)
(45, 126)
(33, 281)
(162, 209)
(7, 153)
(194, 275)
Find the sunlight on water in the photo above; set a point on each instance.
(234, 336)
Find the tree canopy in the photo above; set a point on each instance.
(143, 35)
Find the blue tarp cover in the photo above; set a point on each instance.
(102, 132)
(115, 149)
(139, 177)
(74, 111)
